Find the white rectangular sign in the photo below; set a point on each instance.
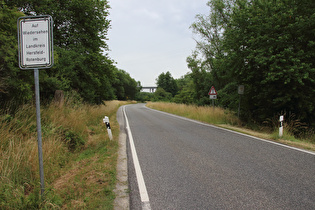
(35, 42)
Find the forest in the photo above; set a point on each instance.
(267, 46)
(82, 65)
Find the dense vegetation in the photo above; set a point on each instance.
(79, 158)
(81, 63)
(267, 46)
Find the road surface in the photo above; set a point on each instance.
(189, 165)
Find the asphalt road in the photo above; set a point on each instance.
(188, 165)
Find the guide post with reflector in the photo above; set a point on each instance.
(106, 121)
(281, 126)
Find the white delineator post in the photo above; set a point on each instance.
(281, 126)
(106, 121)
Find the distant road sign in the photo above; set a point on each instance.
(241, 89)
(213, 96)
(212, 91)
(35, 42)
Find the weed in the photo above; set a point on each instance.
(295, 132)
(76, 153)
(215, 115)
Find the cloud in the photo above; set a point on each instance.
(146, 14)
(149, 37)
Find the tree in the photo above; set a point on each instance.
(161, 95)
(78, 24)
(209, 63)
(14, 84)
(201, 78)
(186, 93)
(274, 42)
(269, 47)
(80, 30)
(167, 82)
(125, 86)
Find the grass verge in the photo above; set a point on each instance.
(79, 158)
(226, 119)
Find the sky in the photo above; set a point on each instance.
(149, 37)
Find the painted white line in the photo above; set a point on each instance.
(213, 126)
(141, 184)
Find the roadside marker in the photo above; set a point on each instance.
(106, 121)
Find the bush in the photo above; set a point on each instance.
(73, 140)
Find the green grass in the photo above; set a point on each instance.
(79, 159)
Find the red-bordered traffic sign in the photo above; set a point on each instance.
(212, 91)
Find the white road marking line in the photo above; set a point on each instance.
(254, 137)
(141, 184)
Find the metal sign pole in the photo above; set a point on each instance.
(213, 104)
(240, 91)
(39, 133)
(239, 107)
(35, 48)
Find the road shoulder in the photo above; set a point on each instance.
(122, 189)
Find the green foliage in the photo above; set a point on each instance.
(279, 64)
(14, 83)
(80, 34)
(201, 79)
(186, 93)
(265, 45)
(72, 139)
(144, 96)
(167, 82)
(125, 87)
(161, 95)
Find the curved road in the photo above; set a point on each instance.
(190, 165)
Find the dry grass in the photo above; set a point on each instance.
(228, 120)
(214, 115)
(92, 165)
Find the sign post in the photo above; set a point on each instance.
(213, 95)
(35, 45)
(240, 91)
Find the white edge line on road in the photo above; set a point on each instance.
(141, 184)
(254, 137)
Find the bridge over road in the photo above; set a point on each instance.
(150, 89)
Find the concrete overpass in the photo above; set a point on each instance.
(150, 89)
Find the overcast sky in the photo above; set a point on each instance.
(148, 37)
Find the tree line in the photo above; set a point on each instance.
(80, 52)
(267, 46)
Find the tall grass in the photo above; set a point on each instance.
(68, 131)
(295, 133)
(214, 115)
